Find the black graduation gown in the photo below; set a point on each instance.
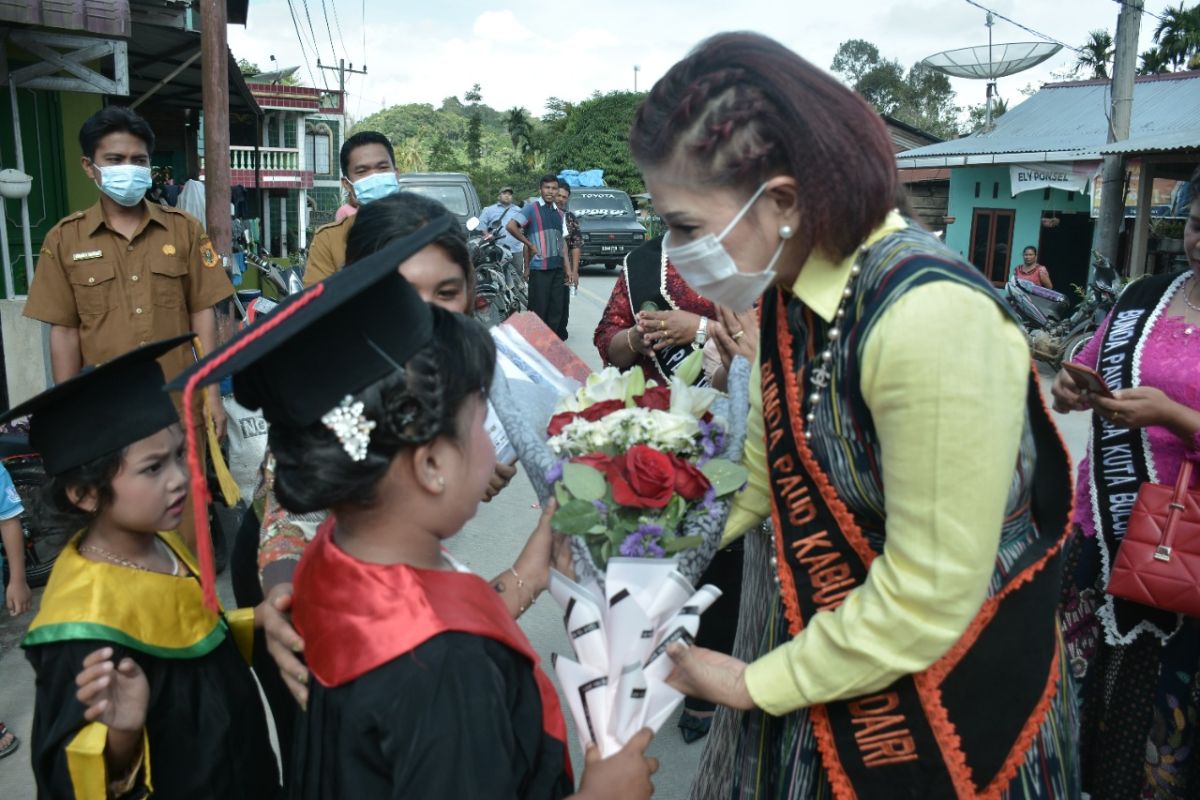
(205, 724)
(457, 717)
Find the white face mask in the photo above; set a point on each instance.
(708, 268)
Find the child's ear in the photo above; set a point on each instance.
(429, 466)
(84, 499)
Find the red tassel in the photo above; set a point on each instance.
(199, 478)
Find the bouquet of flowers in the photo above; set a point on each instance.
(644, 475)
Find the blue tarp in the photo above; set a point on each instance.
(588, 179)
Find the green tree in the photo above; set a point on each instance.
(442, 157)
(474, 126)
(1096, 54)
(921, 97)
(1178, 34)
(1154, 61)
(595, 135)
(410, 156)
(977, 115)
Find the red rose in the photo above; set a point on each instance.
(642, 478)
(601, 410)
(690, 482)
(597, 461)
(658, 398)
(560, 421)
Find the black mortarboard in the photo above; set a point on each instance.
(331, 340)
(100, 410)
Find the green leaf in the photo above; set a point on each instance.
(635, 386)
(689, 370)
(561, 494)
(725, 476)
(680, 543)
(575, 518)
(584, 482)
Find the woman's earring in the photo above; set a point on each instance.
(441, 481)
(786, 232)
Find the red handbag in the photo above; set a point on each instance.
(1158, 563)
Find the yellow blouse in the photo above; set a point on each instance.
(945, 377)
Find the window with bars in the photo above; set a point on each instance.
(318, 142)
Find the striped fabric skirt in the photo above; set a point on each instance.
(755, 756)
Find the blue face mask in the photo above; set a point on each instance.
(375, 187)
(125, 183)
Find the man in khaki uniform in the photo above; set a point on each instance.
(126, 272)
(368, 174)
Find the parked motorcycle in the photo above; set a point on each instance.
(500, 288)
(1055, 332)
(28, 474)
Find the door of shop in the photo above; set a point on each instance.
(991, 242)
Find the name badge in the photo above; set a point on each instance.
(87, 255)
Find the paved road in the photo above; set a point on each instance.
(488, 544)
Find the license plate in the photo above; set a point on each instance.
(610, 248)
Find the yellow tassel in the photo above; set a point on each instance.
(229, 487)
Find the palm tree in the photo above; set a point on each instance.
(410, 156)
(1096, 54)
(1178, 34)
(1154, 61)
(519, 129)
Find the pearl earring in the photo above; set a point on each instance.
(786, 232)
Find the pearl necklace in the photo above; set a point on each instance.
(1187, 296)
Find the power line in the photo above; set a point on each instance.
(338, 23)
(1025, 28)
(329, 30)
(300, 39)
(316, 48)
(1143, 10)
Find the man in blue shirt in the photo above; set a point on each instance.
(497, 216)
(542, 228)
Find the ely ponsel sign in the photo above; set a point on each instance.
(1068, 177)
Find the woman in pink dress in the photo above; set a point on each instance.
(1139, 665)
(1032, 271)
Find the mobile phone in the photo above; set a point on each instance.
(1089, 378)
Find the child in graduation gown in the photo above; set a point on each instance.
(140, 687)
(424, 685)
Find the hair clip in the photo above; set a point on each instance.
(351, 427)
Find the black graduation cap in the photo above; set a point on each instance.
(331, 340)
(102, 409)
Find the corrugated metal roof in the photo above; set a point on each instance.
(1156, 143)
(1067, 122)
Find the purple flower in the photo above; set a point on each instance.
(644, 542)
(712, 441)
(555, 472)
(600, 506)
(709, 499)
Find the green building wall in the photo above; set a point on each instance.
(995, 192)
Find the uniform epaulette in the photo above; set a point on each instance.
(333, 224)
(68, 218)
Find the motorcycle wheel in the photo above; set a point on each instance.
(41, 547)
(1074, 346)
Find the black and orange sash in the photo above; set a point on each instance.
(961, 728)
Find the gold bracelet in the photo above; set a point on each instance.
(629, 340)
(520, 585)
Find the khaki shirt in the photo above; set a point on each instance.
(122, 294)
(327, 252)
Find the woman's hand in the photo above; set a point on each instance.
(625, 775)
(1069, 394)
(544, 549)
(500, 479)
(661, 329)
(114, 694)
(709, 675)
(283, 643)
(1139, 407)
(736, 335)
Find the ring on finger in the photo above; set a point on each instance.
(738, 335)
(662, 324)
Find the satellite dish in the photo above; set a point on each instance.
(991, 61)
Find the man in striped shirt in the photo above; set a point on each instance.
(542, 228)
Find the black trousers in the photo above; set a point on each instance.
(548, 298)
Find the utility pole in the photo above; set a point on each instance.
(341, 69)
(1112, 191)
(214, 61)
(636, 69)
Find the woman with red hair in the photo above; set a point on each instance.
(918, 489)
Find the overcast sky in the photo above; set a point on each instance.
(423, 52)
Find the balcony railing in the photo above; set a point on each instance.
(273, 159)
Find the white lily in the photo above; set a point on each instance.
(691, 401)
